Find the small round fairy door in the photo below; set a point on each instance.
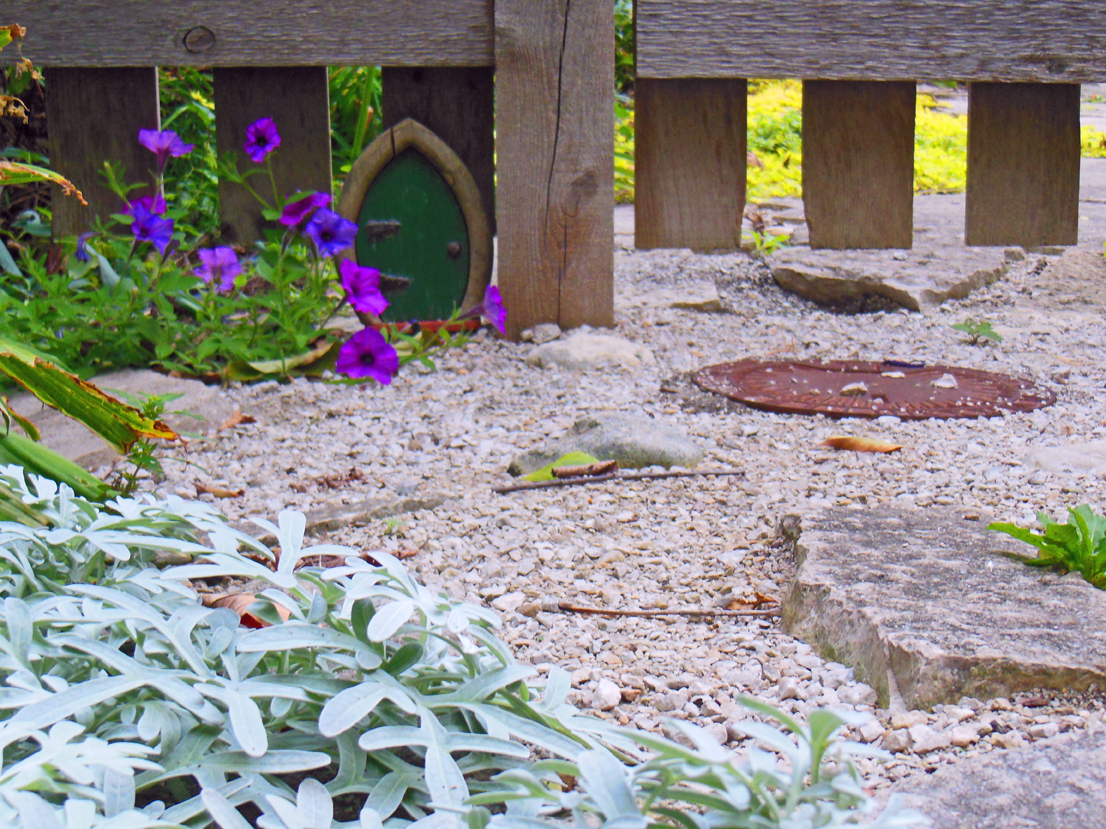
(420, 222)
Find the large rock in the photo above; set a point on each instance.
(1054, 784)
(1071, 458)
(858, 280)
(928, 596)
(584, 350)
(632, 440)
(694, 296)
(72, 440)
(1077, 277)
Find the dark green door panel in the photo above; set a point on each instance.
(431, 247)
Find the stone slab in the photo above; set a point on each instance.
(584, 350)
(632, 440)
(1054, 784)
(339, 516)
(72, 440)
(1071, 458)
(1076, 278)
(695, 296)
(927, 596)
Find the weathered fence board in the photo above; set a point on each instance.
(297, 99)
(555, 203)
(1023, 164)
(981, 40)
(93, 115)
(858, 163)
(252, 33)
(689, 165)
(458, 105)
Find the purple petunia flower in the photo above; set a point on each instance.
(261, 139)
(491, 309)
(164, 144)
(368, 354)
(219, 264)
(149, 227)
(330, 232)
(82, 247)
(154, 205)
(362, 287)
(296, 211)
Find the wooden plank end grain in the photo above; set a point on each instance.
(93, 116)
(858, 163)
(297, 99)
(457, 104)
(1023, 164)
(555, 133)
(690, 163)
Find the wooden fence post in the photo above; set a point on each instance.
(455, 103)
(555, 134)
(297, 99)
(689, 162)
(1023, 164)
(858, 163)
(92, 116)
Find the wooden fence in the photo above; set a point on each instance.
(860, 60)
(537, 75)
(543, 67)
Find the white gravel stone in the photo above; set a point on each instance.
(607, 695)
(678, 543)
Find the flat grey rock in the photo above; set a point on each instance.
(927, 596)
(1077, 277)
(1070, 458)
(337, 516)
(697, 296)
(634, 441)
(1053, 784)
(541, 334)
(855, 280)
(584, 350)
(72, 440)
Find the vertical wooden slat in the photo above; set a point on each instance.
(1023, 164)
(555, 139)
(689, 165)
(458, 105)
(858, 163)
(93, 116)
(297, 99)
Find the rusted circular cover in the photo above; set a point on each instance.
(846, 388)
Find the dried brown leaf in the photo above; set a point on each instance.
(236, 419)
(202, 489)
(856, 444)
(240, 603)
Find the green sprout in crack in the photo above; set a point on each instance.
(978, 331)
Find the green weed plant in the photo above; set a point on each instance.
(978, 331)
(1079, 546)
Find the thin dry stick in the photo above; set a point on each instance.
(611, 476)
(571, 608)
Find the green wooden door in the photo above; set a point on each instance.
(430, 246)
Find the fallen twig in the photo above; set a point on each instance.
(598, 611)
(611, 476)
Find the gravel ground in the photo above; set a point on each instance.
(680, 543)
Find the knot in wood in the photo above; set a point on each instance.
(199, 39)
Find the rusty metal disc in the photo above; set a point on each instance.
(849, 388)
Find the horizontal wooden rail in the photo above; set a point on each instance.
(879, 40)
(106, 33)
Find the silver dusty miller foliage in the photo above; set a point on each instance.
(369, 701)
